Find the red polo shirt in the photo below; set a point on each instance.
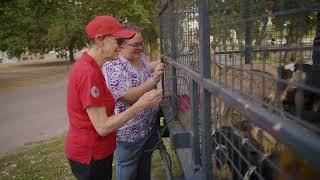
(86, 87)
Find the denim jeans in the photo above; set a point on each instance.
(133, 163)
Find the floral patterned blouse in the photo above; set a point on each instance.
(120, 75)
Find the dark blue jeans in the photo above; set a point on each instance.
(133, 163)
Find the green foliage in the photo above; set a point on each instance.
(24, 27)
(38, 26)
(288, 19)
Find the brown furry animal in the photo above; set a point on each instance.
(285, 165)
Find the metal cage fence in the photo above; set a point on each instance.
(243, 83)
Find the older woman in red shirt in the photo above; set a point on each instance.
(91, 140)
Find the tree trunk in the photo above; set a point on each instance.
(71, 55)
(154, 50)
(147, 48)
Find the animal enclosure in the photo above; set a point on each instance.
(242, 87)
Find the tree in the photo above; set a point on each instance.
(38, 26)
(66, 29)
(272, 20)
(24, 29)
(144, 14)
(150, 27)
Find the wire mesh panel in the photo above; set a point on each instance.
(264, 84)
(184, 26)
(182, 97)
(187, 33)
(165, 23)
(263, 49)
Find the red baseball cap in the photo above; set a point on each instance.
(107, 26)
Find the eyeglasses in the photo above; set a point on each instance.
(119, 40)
(136, 45)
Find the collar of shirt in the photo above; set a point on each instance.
(91, 61)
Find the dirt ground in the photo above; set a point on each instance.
(32, 96)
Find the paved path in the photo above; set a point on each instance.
(32, 114)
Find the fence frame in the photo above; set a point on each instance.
(195, 157)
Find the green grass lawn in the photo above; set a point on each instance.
(46, 160)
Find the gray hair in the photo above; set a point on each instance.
(132, 28)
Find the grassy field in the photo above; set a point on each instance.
(46, 160)
(43, 160)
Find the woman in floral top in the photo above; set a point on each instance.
(128, 78)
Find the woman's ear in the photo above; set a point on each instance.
(98, 41)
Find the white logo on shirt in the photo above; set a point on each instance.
(94, 91)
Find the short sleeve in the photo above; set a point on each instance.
(117, 78)
(92, 90)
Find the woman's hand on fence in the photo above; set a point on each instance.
(158, 71)
(150, 99)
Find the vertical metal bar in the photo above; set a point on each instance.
(195, 124)
(206, 146)
(205, 99)
(161, 45)
(204, 39)
(173, 54)
(160, 34)
(248, 38)
(249, 31)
